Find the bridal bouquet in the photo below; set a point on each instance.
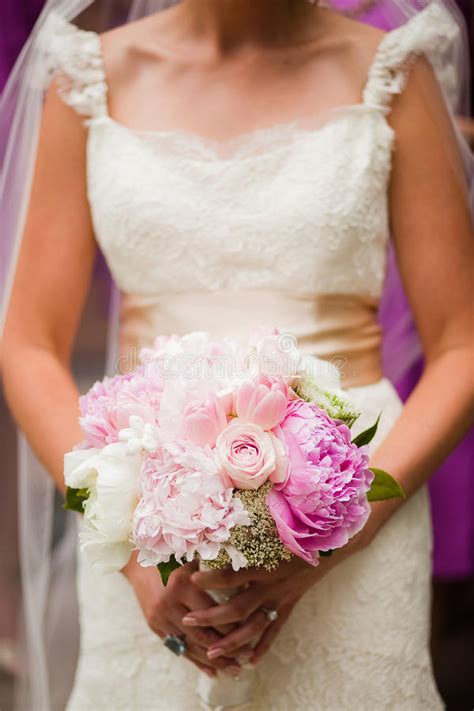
(236, 457)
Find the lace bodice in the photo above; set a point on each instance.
(289, 208)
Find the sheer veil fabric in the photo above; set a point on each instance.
(48, 571)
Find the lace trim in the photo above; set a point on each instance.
(432, 32)
(75, 60)
(256, 143)
(75, 57)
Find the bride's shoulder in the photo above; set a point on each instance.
(352, 45)
(363, 43)
(127, 48)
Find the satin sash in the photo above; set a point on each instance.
(340, 328)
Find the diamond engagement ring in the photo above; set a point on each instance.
(175, 644)
(270, 614)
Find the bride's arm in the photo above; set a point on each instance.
(49, 291)
(434, 242)
(50, 287)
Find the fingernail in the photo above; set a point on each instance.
(213, 653)
(211, 674)
(190, 621)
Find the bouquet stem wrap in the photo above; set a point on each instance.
(223, 691)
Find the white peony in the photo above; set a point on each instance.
(112, 477)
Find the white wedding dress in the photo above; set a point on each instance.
(288, 226)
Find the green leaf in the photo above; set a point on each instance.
(367, 435)
(384, 487)
(75, 499)
(167, 568)
(325, 554)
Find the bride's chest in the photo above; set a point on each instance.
(286, 208)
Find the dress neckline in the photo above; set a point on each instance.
(255, 143)
(387, 46)
(387, 42)
(385, 77)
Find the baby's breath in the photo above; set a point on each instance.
(259, 542)
(335, 403)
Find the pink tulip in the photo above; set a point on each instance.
(226, 398)
(263, 401)
(204, 420)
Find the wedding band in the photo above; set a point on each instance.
(175, 644)
(271, 614)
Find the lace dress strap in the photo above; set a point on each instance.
(76, 62)
(432, 32)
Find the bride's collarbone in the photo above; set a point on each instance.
(159, 91)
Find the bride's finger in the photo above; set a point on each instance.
(239, 608)
(193, 597)
(196, 652)
(203, 637)
(241, 637)
(268, 636)
(224, 664)
(196, 599)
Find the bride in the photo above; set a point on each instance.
(239, 163)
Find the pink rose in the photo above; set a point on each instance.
(249, 456)
(204, 420)
(262, 401)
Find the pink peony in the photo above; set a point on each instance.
(249, 456)
(262, 401)
(107, 407)
(185, 507)
(204, 420)
(324, 500)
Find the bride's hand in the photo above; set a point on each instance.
(164, 608)
(279, 590)
(264, 591)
